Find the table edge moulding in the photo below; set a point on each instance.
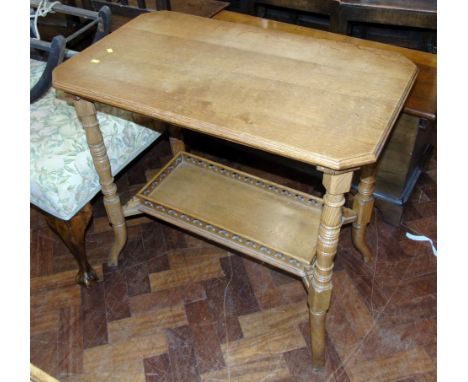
(184, 193)
(251, 127)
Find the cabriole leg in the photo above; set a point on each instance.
(363, 205)
(320, 285)
(87, 115)
(72, 232)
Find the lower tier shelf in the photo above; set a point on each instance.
(275, 224)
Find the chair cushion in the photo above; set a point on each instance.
(63, 177)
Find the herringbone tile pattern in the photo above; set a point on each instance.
(178, 308)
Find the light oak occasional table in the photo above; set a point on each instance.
(328, 104)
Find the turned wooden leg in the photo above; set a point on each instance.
(87, 115)
(72, 232)
(363, 205)
(176, 140)
(320, 285)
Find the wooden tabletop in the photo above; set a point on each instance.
(321, 102)
(422, 100)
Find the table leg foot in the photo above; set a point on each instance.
(120, 239)
(87, 278)
(363, 205)
(317, 333)
(359, 240)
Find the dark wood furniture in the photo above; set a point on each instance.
(413, 137)
(314, 6)
(72, 232)
(125, 10)
(411, 13)
(411, 24)
(406, 23)
(318, 7)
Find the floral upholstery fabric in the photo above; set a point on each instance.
(62, 175)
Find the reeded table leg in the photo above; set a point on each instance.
(87, 115)
(363, 205)
(176, 140)
(320, 285)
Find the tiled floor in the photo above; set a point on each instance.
(178, 308)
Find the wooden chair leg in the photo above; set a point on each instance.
(363, 205)
(72, 232)
(320, 285)
(87, 115)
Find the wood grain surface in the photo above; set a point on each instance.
(237, 210)
(422, 100)
(321, 102)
